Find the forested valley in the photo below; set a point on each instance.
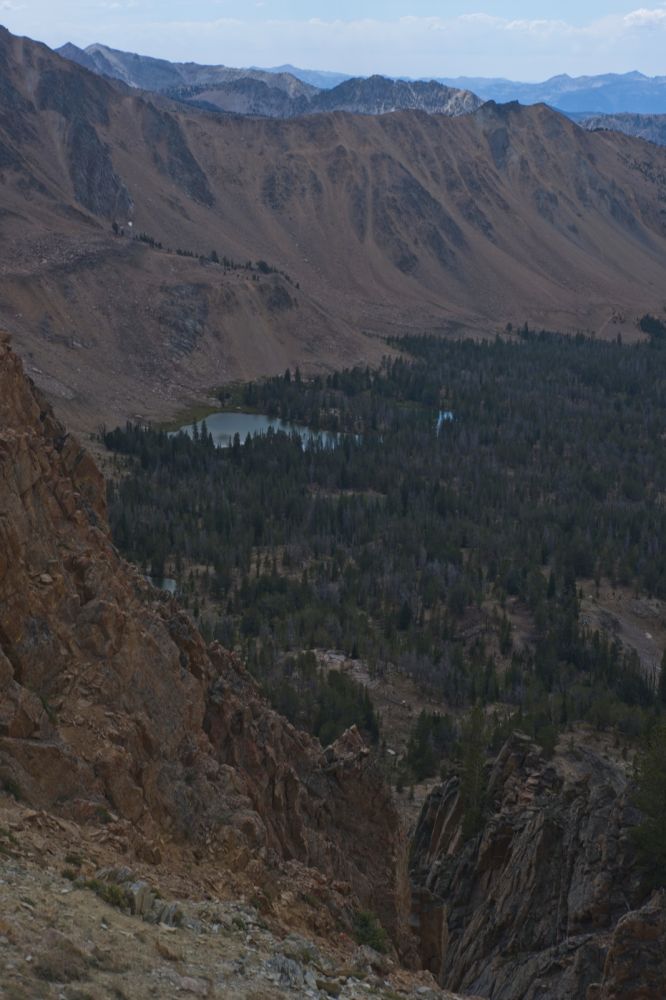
(469, 478)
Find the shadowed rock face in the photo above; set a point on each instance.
(172, 155)
(72, 95)
(110, 700)
(96, 185)
(528, 908)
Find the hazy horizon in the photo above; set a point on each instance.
(509, 39)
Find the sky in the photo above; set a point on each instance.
(510, 38)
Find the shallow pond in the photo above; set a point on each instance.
(225, 426)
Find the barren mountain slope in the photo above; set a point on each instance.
(245, 96)
(90, 928)
(387, 224)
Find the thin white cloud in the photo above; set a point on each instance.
(645, 18)
(477, 43)
(542, 26)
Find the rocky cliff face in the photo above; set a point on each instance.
(112, 707)
(536, 905)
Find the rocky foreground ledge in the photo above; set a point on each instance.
(78, 924)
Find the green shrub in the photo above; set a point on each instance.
(109, 892)
(368, 931)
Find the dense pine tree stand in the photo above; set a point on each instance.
(548, 470)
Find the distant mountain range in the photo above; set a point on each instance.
(323, 79)
(286, 91)
(375, 95)
(266, 93)
(611, 93)
(148, 73)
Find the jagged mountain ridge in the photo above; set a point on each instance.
(379, 95)
(268, 93)
(606, 93)
(609, 93)
(375, 95)
(387, 224)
